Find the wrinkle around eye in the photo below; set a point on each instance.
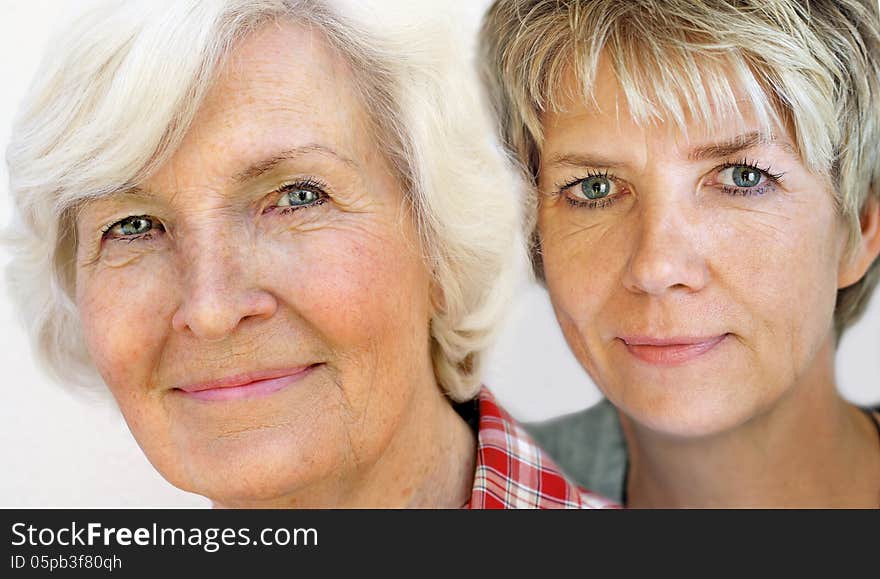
(122, 252)
(581, 229)
(117, 261)
(302, 219)
(549, 198)
(569, 228)
(345, 211)
(766, 225)
(763, 215)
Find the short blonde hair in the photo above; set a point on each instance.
(117, 92)
(813, 66)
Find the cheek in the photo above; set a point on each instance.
(125, 315)
(582, 265)
(783, 266)
(357, 288)
(366, 299)
(582, 272)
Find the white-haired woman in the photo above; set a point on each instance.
(707, 180)
(280, 236)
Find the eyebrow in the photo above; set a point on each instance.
(737, 144)
(702, 152)
(133, 191)
(583, 160)
(265, 165)
(258, 168)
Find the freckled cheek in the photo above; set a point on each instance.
(356, 291)
(125, 316)
(790, 258)
(581, 272)
(783, 285)
(579, 287)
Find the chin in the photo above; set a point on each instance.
(252, 469)
(700, 411)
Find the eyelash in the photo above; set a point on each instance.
(602, 203)
(774, 179)
(131, 238)
(310, 184)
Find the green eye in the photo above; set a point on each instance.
(131, 226)
(298, 197)
(596, 187)
(135, 226)
(744, 176)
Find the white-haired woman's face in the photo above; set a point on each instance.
(259, 307)
(695, 279)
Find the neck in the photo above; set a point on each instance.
(428, 463)
(810, 450)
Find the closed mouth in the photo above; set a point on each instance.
(246, 385)
(670, 351)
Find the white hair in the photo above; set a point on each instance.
(118, 90)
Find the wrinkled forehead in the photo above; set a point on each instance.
(279, 58)
(269, 100)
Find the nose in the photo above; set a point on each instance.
(667, 255)
(221, 289)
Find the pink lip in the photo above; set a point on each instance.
(669, 351)
(249, 385)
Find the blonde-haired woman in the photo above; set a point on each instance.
(707, 210)
(280, 235)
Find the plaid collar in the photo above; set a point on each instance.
(513, 473)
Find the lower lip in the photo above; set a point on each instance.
(673, 354)
(256, 389)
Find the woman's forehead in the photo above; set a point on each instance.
(605, 107)
(282, 70)
(283, 95)
(709, 92)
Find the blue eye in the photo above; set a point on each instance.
(596, 187)
(746, 179)
(133, 226)
(743, 176)
(298, 195)
(595, 191)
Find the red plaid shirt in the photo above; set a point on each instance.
(513, 473)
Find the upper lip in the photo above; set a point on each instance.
(243, 378)
(670, 341)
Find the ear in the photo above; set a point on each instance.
(868, 247)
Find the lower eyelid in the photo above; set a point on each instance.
(747, 192)
(132, 238)
(288, 209)
(620, 190)
(602, 203)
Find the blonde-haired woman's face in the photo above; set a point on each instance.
(694, 278)
(259, 307)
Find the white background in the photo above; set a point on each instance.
(62, 450)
